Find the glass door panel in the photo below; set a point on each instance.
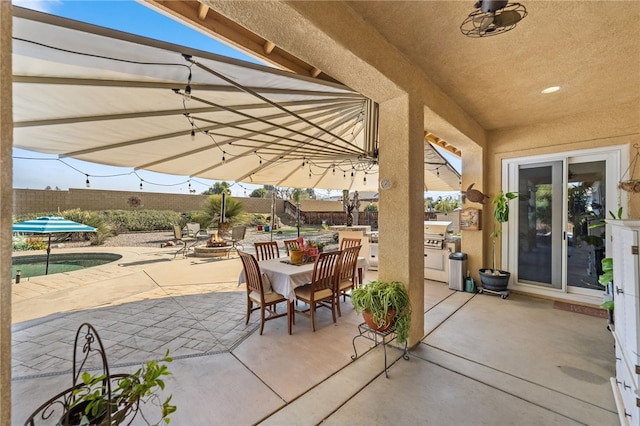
(540, 224)
(585, 214)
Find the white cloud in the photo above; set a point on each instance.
(46, 6)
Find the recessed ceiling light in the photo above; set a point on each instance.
(551, 89)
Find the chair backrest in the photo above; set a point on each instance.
(325, 271)
(288, 244)
(193, 228)
(268, 250)
(350, 242)
(177, 232)
(252, 273)
(238, 232)
(348, 263)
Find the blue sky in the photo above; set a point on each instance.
(37, 171)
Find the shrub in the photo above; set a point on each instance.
(141, 220)
(36, 243)
(19, 243)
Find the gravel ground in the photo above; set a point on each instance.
(155, 239)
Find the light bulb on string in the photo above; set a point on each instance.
(438, 171)
(140, 184)
(352, 176)
(364, 181)
(193, 134)
(189, 186)
(87, 183)
(187, 93)
(224, 160)
(303, 163)
(334, 169)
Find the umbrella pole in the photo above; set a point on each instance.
(46, 270)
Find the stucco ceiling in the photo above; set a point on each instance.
(591, 49)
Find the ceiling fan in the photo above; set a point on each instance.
(492, 17)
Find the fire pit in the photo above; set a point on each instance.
(215, 247)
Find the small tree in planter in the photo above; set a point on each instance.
(388, 305)
(495, 279)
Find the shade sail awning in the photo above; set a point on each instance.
(113, 98)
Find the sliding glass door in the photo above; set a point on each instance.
(540, 224)
(558, 231)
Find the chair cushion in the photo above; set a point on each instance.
(268, 298)
(305, 293)
(344, 285)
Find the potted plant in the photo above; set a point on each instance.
(495, 279)
(387, 303)
(92, 403)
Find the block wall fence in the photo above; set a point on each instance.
(39, 201)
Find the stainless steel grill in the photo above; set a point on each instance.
(436, 232)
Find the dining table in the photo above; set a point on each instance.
(285, 276)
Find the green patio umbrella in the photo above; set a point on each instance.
(50, 225)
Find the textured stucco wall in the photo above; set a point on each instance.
(6, 142)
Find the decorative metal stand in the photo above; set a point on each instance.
(88, 354)
(378, 337)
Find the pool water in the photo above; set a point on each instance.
(35, 265)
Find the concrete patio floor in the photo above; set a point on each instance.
(484, 360)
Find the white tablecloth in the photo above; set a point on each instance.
(285, 277)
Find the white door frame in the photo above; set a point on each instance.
(616, 156)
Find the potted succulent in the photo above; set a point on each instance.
(128, 391)
(495, 279)
(387, 303)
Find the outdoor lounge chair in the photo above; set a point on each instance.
(182, 239)
(237, 235)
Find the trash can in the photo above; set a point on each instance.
(457, 270)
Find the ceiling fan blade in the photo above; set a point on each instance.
(507, 18)
(484, 20)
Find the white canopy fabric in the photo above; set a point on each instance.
(113, 98)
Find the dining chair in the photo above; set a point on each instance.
(266, 299)
(268, 250)
(347, 276)
(182, 239)
(321, 290)
(350, 242)
(288, 244)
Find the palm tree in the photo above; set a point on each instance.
(210, 215)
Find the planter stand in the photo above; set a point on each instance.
(378, 337)
(87, 347)
(503, 294)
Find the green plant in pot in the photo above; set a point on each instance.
(388, 304)
(494, 278)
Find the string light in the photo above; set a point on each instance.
(140, 184)
(224, 160)
(333, 172)
(438, 171)
(364, 181)
(352, 176)
(87, 183)
(193, 134)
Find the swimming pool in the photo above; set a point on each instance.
(35, 265)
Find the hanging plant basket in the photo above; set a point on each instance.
(631, 184)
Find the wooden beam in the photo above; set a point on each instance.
(268, 47)
(314, 72)
(202, 11)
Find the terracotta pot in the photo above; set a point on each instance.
(368, 318)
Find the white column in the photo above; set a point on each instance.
(401, 213)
